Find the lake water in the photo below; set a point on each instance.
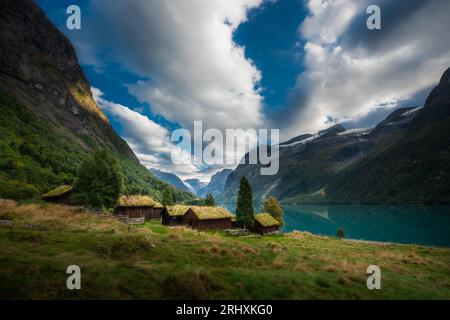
(427, 224)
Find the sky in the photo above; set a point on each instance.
(294, 65)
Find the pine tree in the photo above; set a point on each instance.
(273, 207)
(244, 210)
(167, 198)
(100, 180)
(209, 201)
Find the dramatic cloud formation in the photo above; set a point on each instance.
(186, 51)
(191, 69)
(352, 72)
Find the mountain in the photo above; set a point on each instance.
(217, 184)
(171, 179)
(49, 121)
(414, 167)
(404, 159)
(195, 184)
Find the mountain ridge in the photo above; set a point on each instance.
(403, 159)
(170, 178)
(216, 185)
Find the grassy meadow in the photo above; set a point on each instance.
(152, 261)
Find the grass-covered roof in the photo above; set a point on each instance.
(266, 220)
(207, 213)
(58, 192)
(177, 210)
(138, 201)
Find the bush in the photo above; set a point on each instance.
(340, 233)
(16, 190)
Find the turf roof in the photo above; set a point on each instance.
(138, 201)
(177, 210)
(266, 220)
(57, 192)
(207, 213)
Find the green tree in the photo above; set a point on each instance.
(167, 197)
(273, 207)
(209, 201)
(244, 210)
(100, 180)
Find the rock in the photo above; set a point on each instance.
(6, 223)
(39, 86)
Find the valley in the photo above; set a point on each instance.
(152, 261)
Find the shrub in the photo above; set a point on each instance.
(340, 233)
(16, 190)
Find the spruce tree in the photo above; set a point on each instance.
(273, 207)
(244, 210)
(167, 198)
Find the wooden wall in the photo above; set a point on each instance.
(257, 228)
(191, 220)
(137, 212)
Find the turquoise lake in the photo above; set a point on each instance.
(424, 224)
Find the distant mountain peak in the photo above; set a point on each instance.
(216, 186)
(338, 128)
(171, 178)
(195, 184)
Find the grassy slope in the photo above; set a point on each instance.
(153, 261)
(35, 158)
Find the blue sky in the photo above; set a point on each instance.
(269, 36)
(294, 65)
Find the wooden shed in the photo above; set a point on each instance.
(265, 224)
(138, 206)
(203, 218)
(59, 195)
(173, 215)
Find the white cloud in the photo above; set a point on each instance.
(186, 50)
(349, 71)
(150, 141)
(328, 19)
(194, 71)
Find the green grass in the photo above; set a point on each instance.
(152, 261)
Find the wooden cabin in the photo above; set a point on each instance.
(59, 195)
(203, 218)
(138, 206)
(173, 215)
(265, 224)
(157, 209)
